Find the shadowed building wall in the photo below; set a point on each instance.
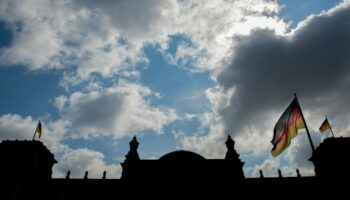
(25, 160)
(331, 159)
(26, 168)
(188, 170)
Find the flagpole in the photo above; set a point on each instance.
(330, 127)
(307, 130)
(34, 134)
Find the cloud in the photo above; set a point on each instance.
(210, 26)
(16, 127)
(266, 69)
(82, 38)
(209, 140)
(55, 35)
(78, 161)
(257, 65)
(270, 168)
(134, 19)
(116, 111)
(300, 152)
(262, 71)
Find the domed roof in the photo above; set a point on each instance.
(182, 155)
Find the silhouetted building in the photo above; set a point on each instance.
(25, 160)
(26, 168)
(331, 159)
(188, 169)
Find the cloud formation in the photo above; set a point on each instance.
(107, 38)
(208, 140)
(56, 35)
(266, 69)
(262, 71)
(243, 44)
(16, 127)
(116, 111)
(80, 160)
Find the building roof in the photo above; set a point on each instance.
(181, 155)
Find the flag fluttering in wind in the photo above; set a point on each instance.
(324, 126)
(38, 129)
(287, 127)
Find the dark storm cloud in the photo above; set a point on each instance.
(267, 69)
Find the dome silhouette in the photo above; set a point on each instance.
(181, 155)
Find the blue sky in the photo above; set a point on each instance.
(177, 74)
(296, 11)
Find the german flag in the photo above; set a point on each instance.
(324, 126)
(287, 128)
(38, 129)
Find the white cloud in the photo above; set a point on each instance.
(107, 38)
(53, 135)
(208, 141)
(78, 161)
(270, 168)
(83, 38)
(210, 25)
(16, 127)
(60, 102)
(218, 98)
(295, 157)
(53, 34)
(189, 116)
(254, 142)
(116, 111)
(300, 151)
(139, 21)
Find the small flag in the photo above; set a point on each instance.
(287, 127)
(324, 126)
(38, 129)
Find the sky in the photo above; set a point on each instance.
(177, 74)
